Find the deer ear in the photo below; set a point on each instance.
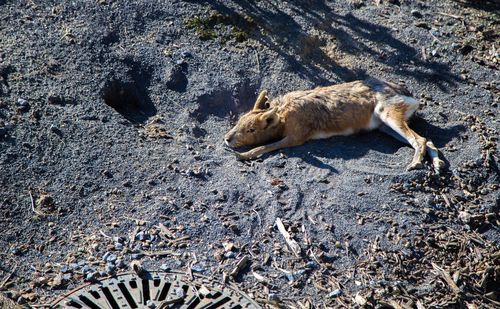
(261, 102)
(270, 118)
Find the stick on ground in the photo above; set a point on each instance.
(289, 240)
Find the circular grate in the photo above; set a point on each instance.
(155, 290)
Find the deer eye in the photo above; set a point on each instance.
(251, 130)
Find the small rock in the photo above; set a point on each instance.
(136, 256)
(230, 255)
(150, 304)
(118, 246)
(65, 269)
(186, 54)
(110, 268)
(140, 236)
(91, 276)
(107, 174)
(119, 263)
(416, 14)
(335, 293)
(423, 25)
(164, 267)
(56, 130)
(22, 105)
(179, 292)
(111, 258)
(197, 269)
(55, 100)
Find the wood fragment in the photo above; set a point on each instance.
(37, 212)
(289, 240)
(420, 305)
(239, 266)
(165, 231)
(446, 277)
(450, 15)
(177, 240)
(160, 253)
(9, 276)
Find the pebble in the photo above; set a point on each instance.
(230, 255)
(335, 293)
(164, 267)
(111, 258)
(55, 130)
(86, 269)
(110, 268)
(197, 269)
(140, 236)
(91, 276)
(118, 246)
(136, 256)
(105, 256)
(416, 14)
(186, 54)
(65, 269)
(118, 239)
(179, 292)
(272, 297)
(119, 263)
(150, 304)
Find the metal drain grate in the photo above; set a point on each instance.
(155, 290)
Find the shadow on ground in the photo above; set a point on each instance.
(279, 31)
(357, 146)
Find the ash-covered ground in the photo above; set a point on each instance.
(112, 115)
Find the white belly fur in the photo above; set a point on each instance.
(323, 134)
(412, 106)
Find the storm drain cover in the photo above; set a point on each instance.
(155, 290)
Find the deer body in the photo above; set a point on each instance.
(323, 112)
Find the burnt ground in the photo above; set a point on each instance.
(112, 115)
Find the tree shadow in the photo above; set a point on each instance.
(304, 49)
(492, 6)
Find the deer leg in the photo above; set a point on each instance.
(258, 151)
(395, 119)
(433, 153)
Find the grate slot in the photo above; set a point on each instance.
(193, 302)
(95, 294)
(145, 291)
(156, 282)
(164, 291)
(110, 298)
(88, 302)
(126, 294)
(133, 284)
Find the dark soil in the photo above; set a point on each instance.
(112, 115)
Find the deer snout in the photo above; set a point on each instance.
(228, 139)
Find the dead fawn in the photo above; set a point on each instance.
(343, 109)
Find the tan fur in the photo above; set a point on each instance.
(341, 109)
